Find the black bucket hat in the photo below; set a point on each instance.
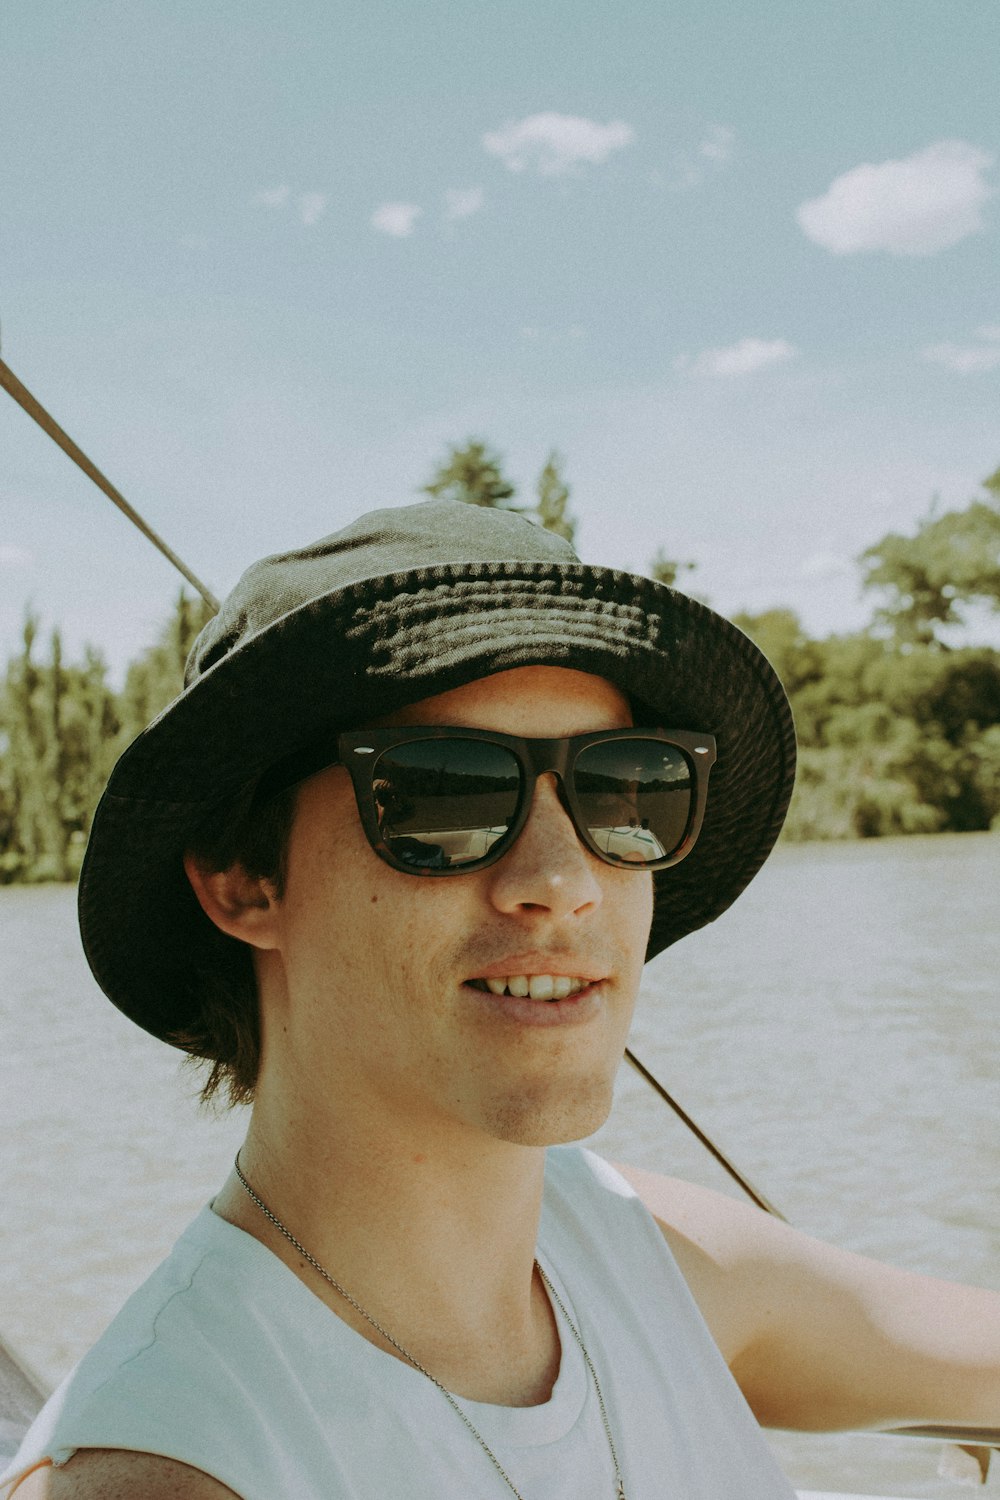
(402, 605)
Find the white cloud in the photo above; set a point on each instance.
(275, 197)
(963, 359)
(743, 358)
(990, 331)
(915, 206)
(312, 206)
(14, 557)
(397, 219)
(555, 144)
(718, 145)
(460, 203)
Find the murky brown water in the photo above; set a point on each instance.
(837, 1032)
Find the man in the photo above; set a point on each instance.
(393, 863)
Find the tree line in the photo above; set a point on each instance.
(899, 732)
(62, 727)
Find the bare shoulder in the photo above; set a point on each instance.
(719, 1245)
(114, 1474)
(709, 1232)
(819, 1337)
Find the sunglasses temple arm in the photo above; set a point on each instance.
(696, 1130)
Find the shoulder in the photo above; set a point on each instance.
(759, 1283)
(708, 1233)
(732, 1255)
(113, 1474)
(153, 1384)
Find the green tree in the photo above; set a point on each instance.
(666, 570)
(61, 730)
(32, 708)
(952, 561)
(57, 723)
(779, 634)
(473, 474)
(90, 734)
(896, 739)
(553, 499)
(157, 676)
(23, 791)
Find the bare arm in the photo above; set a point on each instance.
(819, 1338)
(114, 1474)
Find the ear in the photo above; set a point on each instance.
(241, 905)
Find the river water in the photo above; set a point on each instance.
(836, 1032)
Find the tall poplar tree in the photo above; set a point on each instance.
(553, 499)
(473, 474)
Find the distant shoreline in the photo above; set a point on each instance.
(786, 840)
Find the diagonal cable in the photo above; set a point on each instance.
(696, 1130)
(24, 399)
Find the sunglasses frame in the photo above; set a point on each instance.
(359, 750)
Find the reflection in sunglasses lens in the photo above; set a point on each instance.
(635, 796)
(442, 803)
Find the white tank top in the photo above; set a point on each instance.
(225, 1360)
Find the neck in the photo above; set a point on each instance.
(433, 1233)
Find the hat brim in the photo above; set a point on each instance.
(358, 653)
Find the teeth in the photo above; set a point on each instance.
(537, 986)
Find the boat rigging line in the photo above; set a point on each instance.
(37, 412)
(34, 409)
(754, 1194)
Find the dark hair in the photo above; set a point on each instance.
(226, 1029)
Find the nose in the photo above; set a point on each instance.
(548, 870)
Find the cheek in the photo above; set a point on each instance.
(351, 922)
(325, 843)
(634, 913)
(326, 876)
(633, 897)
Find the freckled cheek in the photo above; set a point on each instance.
(634, 909)
(632, 893)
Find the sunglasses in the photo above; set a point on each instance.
(443, 801)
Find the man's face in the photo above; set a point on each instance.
(376, 996)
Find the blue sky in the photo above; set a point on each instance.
(738, 264)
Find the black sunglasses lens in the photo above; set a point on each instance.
(444, 803)
(636, 797)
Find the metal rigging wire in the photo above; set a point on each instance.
(24, 399)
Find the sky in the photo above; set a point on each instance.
(737, 264)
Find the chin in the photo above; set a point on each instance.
(555, 1119)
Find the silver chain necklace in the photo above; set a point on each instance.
(343, 1292)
